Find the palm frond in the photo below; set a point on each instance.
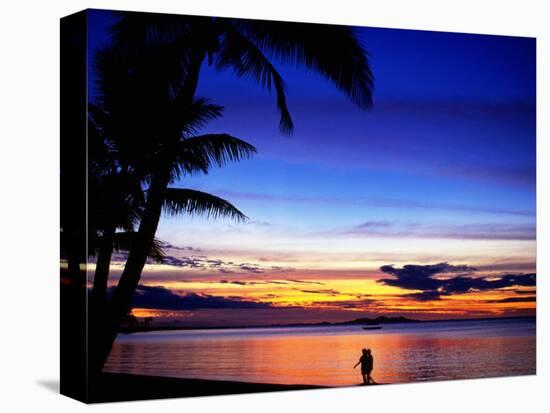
(190, 117)
(157, 251)
(240, 54)
(122, 241)
(200, 152)
(172, 42)
(188, 201)
(333, 51)
(140, 30)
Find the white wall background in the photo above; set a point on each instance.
(29, 194)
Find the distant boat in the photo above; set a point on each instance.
(372, 327)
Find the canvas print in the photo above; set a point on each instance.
(253, 206)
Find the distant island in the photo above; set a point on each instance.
(139, 327)
(360, 321)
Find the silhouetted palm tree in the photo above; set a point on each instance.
(151, 130)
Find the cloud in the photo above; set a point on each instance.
(412, 270)
(513, 300)
(363, 304)
(202, 262)
(238, 282)
(306, 282)
(259, 223)
(253, 268)
(423, 279)
(329, 291)
(269, 282)
(420, 277)
(160, 298)
(373, 202)
(190, 262)
(167, 245)
(494, 231)
(374, 224)
(509, 265)
(429, 295)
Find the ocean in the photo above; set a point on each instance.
(325, 355)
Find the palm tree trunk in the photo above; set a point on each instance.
(141, 248)
(106, 326)
(101, 277)
(77, 276)
(74, 268)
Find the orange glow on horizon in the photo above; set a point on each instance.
(353, 296)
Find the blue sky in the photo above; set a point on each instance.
(453, 124)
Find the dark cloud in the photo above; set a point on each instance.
(465, 284)
(306, 282)
(348, 304)
(326, 292)
(413, 270)
(189, 262)
(267, 282)
(423, 278)
(254, 268)
(514, 300)
(206, 263)
(420, 277)
(429, 295)
(270, 296)
(167, 245)
(160, 298)
(237, 282)
(524, 292)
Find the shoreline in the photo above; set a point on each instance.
(140, 329)
(118, 387)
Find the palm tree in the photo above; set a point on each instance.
(152, 133)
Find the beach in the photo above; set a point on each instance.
(113, 387)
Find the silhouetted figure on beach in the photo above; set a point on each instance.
(366, 362)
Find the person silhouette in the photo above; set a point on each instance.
(367, 362)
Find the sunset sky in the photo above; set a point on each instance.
(422, 207)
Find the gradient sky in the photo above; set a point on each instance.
(441, 170)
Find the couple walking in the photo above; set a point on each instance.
(366, 362)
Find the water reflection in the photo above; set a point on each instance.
(322, 357)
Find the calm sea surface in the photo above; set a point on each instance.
(326, 355)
